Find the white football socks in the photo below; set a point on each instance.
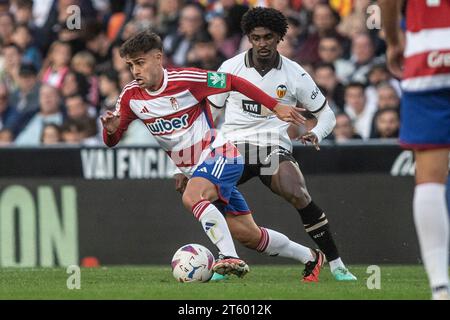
(215, 226)
(432, 226)
(336, 263)
(274, 243)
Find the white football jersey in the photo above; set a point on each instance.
(248, 121)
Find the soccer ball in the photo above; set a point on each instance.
(192, 263)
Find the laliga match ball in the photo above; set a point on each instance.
(192, 263)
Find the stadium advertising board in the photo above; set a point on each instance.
(118, 206)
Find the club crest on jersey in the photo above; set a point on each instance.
(174, 103)
(217, 80)
(281, 91)
(163, 126)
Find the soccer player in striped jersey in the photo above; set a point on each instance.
(262, 137)
(424, 66)
(172, 104)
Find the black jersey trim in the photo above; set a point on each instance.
(213, 105)
(320, 109)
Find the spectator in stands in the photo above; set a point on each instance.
(294, 32)
(73, 37)
(71, 132)
(387, 96)
(306, 14)
(22, 37)
(96, 40)
(325, 77)
(7, 25)
(109, 90)
(116, 20)
(355, 22)
(56, 65)
(284, 7)
(130, 28)
(344, 130)
(26, 97)
(286, 48)
(387, 123)
(78, 108)
(79, 131)
(125, 77)
(218, 29)
(84, 62)
(49, 112)
(330, 51)
(4, 6)
(204, 53)
(12, 58)
(379, 74)
(145, 17)
(232, 11)
(117, 63)
(58, 17)
(325, 20)
(23, 14)
(6, 137)
(357, 108)
(9, 116)
(51, 135)
(75, 83)
(363, 57)
(167, 19)
(177, 44)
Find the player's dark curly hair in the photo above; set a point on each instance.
(141, 42)
(269, 18)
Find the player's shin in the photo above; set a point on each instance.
(274, 243)
(316, 225)
(215, 226)
(432, 225)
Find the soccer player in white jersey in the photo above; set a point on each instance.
(262, 136)
(423, 64)
(172, 104)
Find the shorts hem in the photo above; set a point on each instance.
(238, 213)
(424, 146)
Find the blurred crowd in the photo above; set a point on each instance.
(60, 66)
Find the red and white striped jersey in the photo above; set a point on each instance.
(177, 115)
(427, 52)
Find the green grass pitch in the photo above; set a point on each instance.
(156, 282)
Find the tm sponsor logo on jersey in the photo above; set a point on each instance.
(251, 106)
(163, 126)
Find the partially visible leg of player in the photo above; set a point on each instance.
(197, 198)
(244, 229)
(431, 217)
(289, 183)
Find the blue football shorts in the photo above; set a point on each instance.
(224, 168)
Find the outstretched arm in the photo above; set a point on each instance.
(117, 122)
(326, 121)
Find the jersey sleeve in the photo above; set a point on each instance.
(222, 82)
(126, 117)
(308, 93)
(218, 100)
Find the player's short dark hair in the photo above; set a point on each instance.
(269, 18)
(141, 42)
